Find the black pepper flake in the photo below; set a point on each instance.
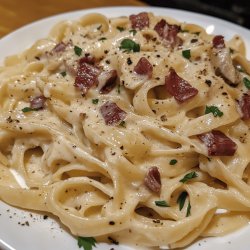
(194, 40)
(157, 221)
(129, 61)
(121, 147)
(208, 82)
(113, 241)
(111, 223)
(37, 58)
(107, 61)
(224, 93)
(45, 217)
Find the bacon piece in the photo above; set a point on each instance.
(245, 106)
(139, 21)
(168, 32)
(60, 47)
(153, 180)
(37, 102)
(87, 59)
(218, 144)
(218, 42)
(179, 88)
(112, 114)
(144, 67)
(222, 61)
(86, 77)
(107, 80)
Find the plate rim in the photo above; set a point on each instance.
(76, 13)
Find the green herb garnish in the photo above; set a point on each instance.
(173, 162)
(102, 39)
(28, 109)
(63, 73)
(129, 45)
(186, 53)
(181, 199)
(161, 204)
(214, 110)
(188, 209)
(189, 176)
(120, 28)
(78, 50)
(86, 242)
(246, 82)
(95, 101)
(133, 32)
(123, 124)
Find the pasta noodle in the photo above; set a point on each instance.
(134, 129)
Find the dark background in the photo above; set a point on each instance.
(235, 11)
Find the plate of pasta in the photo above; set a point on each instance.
(125, 128)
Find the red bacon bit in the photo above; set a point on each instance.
(245, 106)
(37, 102)
(86, 77)
(168, 32)
(139, 21)
(218, 144)
(109, 82)
(218, 42)
(112, 114)
(60, 47)
(179, 88)
(153, 180)
(87, 59)
(144, 67)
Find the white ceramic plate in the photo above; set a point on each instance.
(47, 234)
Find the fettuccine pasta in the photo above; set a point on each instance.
(132, 130)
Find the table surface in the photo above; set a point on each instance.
(16, 13)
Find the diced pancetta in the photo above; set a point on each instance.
(152, 180)
(112, 114)
(139, 21)
(179, 88)
(218, 144)
(144, 67)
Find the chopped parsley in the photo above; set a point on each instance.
(161, 204)
(28, 109)
(129, 45)
(214, 110)
(102, 39)
(186, 53)
(78, 50)
(63, 73)
(95, 101)
(133, 32)
(86, 242)
(181, 200)
(189, 176)
(246, 82)
(173, 162)
(188, 209)
(123, 124)
(120, 28)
